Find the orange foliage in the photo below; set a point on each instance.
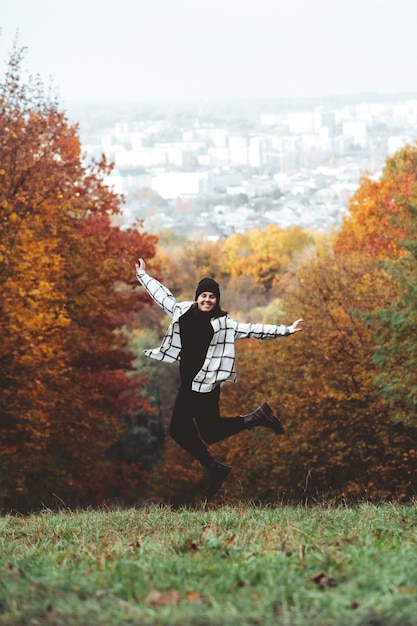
(339, 440)
(64, 386)
(343, 439)
(264, 254)
(381, 211)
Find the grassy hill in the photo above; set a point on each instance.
(222, 566)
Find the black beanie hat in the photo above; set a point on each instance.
(208, 284)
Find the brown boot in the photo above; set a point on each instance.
(218, 473)
(263, 416)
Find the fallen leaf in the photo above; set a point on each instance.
(194, 596)
(166, 598)
(125, 605)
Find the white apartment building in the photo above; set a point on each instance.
(258, 151)
(406, 113)
(238, 150)
(356, 129)
(172, 185)
(307, 122)
(396, 142)
(126, 179)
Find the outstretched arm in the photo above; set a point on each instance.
(158, 292)
(266, 331)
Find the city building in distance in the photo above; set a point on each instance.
(207, 170)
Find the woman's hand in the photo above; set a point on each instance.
(295, 326)
(141, 265)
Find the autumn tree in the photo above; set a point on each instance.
(264, 254)
(395, 342)
(67, 282)
(348, 389)
(382, 223)
(378, 218)
(340, 441)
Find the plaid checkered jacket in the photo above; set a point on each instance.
(219, 365)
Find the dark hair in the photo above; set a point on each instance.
(218, 311)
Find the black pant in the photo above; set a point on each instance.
(196, 419)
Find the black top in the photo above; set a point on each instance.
(196, 333)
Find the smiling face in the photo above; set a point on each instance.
(206, 301)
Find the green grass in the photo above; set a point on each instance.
(245, 565)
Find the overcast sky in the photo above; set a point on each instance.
(144, 50)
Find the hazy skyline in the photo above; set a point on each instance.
(144, 50)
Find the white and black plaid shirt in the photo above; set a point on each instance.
(219, 364)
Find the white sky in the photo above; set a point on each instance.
(144, 50)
